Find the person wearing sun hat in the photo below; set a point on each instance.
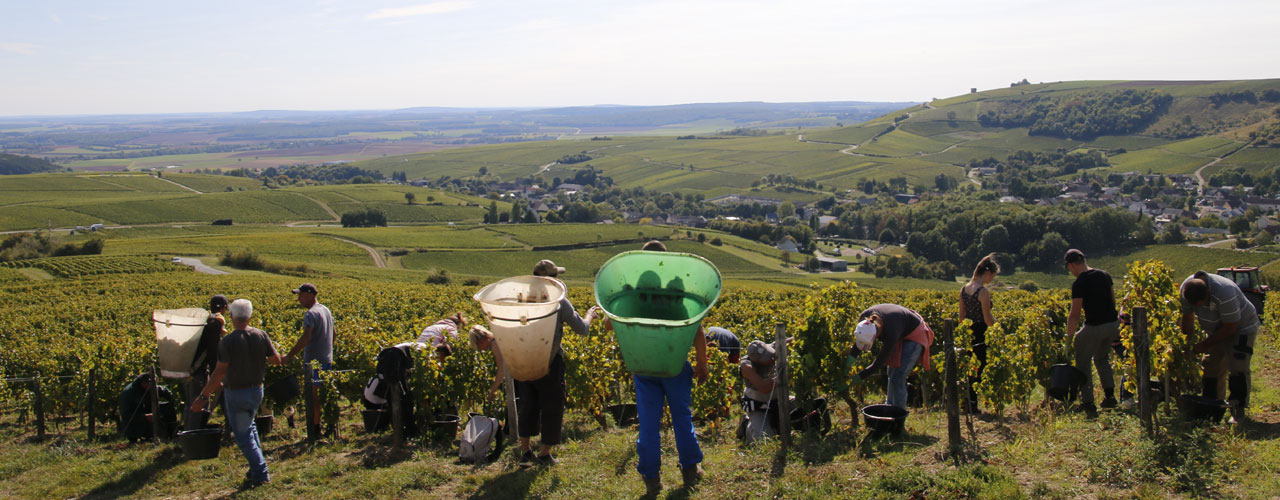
(540, 403)
(905, 339)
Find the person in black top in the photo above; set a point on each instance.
(206, 358)
(726, 341)
(1092, 292)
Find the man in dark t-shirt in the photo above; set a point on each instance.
(242, 364)
(726, 341)
(1092, 293)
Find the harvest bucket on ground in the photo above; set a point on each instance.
(522, 315)
(178, 333)
(656, 302)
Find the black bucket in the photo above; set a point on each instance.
(885, 419)
(264, 423)
(284, 390)
(376, 421)
(1062, 380)
(1199, 408)
(198, 419)
(201, 444)
(623, 414)
(444, 428)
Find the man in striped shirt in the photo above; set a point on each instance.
(1231, 323)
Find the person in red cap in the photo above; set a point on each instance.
(316, 342)
(1093, 294)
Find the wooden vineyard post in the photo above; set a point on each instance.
(513, 417)
(155, 405)
(784, 383)
(38, 403)
(309, 398)
(397, 418)
(953, 394)
(1142, 358)
(93, 399)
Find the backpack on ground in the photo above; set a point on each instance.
(478, 437)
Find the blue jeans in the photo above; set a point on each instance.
(242, 407)
(896, 393)
(315, 372)
(678, 393)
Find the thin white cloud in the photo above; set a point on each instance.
(55, 18)
(26, 49)
(419, 10)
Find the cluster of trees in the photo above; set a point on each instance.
(764, 232)
(1268, 136)
(23, 246)
(372, 217)
(908, 267)
(571, 159)
(19, 164)
(960, 230)
(1081, 116)
(1028, 174)
(330, 174)
(748, 132)
(787, 180)
(1244, 96)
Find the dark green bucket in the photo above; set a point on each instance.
(656, 302)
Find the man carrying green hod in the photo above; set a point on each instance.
(1231, 323)
(1092, 293)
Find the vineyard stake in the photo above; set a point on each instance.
(1142, 356)
(397, 420)
(509, 385)
(155, 406)
(93, 397)
(784, 381)
(952, 396)
(39, 407)
(313, 432)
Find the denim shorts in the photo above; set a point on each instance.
(315, 373)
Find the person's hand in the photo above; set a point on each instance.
(701, 372)
(197, 406)
(284, 360)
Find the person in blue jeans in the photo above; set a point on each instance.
(242, 364)
(677, 394)
(905, 339)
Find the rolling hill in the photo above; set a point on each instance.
(1164, 127)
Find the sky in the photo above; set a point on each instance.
(109, 57)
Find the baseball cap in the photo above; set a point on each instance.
(218, 302)
(865, 334)
(305, 288)
(1073, 255)
(547, 268)
(759, 352)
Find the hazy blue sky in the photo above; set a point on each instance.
(72, 57)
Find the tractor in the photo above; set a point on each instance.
(1247, 279)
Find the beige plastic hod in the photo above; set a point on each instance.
(522, 314)
(178, 333)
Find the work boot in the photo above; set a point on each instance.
(528, 458)
(652, 486)
(1089, 410)
(692, 475)
(547, 461)
(1108, 403)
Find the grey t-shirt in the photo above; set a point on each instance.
(245, 352)
(1227, 304)
(320, 347)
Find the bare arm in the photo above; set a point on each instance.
(985, 298)
(962, 308)
(700, 355)
(211, 387)
(499, 376)
(755, 380)
(300, 344)
(274, 357)
(1188, 325)
(1226, 332)
(882, 358)
(1073, 319)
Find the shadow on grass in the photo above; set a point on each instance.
(513, 484)
(817, 448)
(1262, 431)
(129, 482)
(874, 445)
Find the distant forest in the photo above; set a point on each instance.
(18, 164)
(1084, 116)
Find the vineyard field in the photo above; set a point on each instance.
(81, 266)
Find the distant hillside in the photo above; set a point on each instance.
(18, 164)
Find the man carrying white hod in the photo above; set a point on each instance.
(1231, 323)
